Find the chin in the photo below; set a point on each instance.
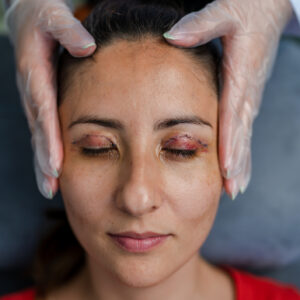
(140, 271)
(137, 276)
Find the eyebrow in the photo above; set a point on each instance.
(110, 123)
(162, 124)
(159, 125)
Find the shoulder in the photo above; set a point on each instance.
(28, 294)
(251, 287)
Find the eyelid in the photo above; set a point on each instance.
(93, 140)
(183, 137)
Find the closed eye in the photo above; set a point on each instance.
(99, 151)
(180, 152)
(183, 153)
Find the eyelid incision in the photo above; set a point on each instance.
(185, 137)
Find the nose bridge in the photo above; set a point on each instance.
(137, 194)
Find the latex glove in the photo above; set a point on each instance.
(250, 32)
(34, 27)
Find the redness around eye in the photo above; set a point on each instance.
(185, 142)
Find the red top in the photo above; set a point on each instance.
(247, 287)
(24, 295)
(251, 287)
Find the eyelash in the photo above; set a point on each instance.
(108, 151)
(180, 152)
(98, 152)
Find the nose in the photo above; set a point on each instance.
(139, 189)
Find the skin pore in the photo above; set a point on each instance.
(139, 126)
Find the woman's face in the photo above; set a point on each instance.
(139, 126)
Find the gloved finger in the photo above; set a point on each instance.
(235, 151)
(25, 99)
(240, 182)
(48, 151)
(38, 94)
(231, 187)
(47, 185)
(200, 27)
(245, 175)
(56, 19)
(231, 129)
(241, 96)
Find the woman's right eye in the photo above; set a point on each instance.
(97, 145)
(111, 152)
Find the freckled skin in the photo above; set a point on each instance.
(140, 187)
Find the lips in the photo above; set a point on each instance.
(136, 235)
(138, 242)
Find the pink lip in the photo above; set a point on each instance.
(138, 244)
(136, 235)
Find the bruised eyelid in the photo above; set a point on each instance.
(185, 141)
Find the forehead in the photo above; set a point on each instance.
(148, 57)
(147, 75)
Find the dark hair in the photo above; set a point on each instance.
(60, 255)
(189, 5)
(134, 20)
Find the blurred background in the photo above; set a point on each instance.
(258, 232)
(76, 3)
(2, 27)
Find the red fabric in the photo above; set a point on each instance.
(251, 287)
(28, 294)
(247, 287)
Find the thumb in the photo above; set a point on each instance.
(76, 39)
(58, 21)
(200, 27)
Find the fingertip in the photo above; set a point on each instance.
(84, 51)
(46, 190)
(55, 173)
(76, 39)
(242, 189)
(54, 185)
(50, 187)
(234, 195)
(168, 36)
(226, 173)
(183, 40)
(89, 45)
(231, 188)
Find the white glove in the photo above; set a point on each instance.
(35, 27)
(250, 32)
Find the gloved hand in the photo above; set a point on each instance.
(35, 27)
(250, 32)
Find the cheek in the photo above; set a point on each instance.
(86, 189)
(194, 197)
(195, 192)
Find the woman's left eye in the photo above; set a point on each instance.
(183, 153)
